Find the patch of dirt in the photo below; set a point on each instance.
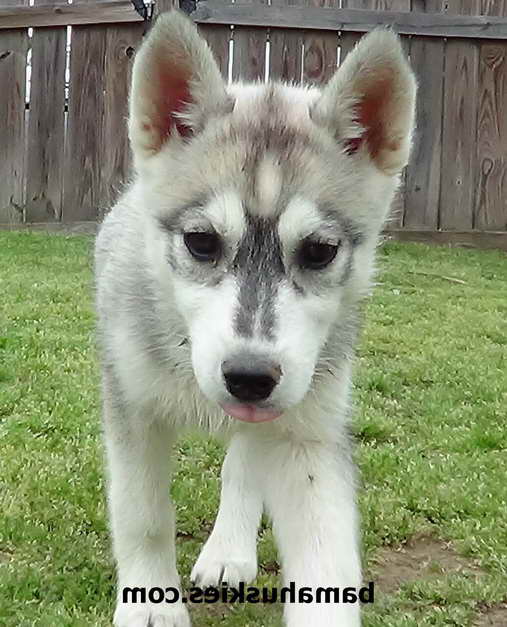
(422, 557)
(207, 610)
(492, 616)
(5, 556)
(271, 567)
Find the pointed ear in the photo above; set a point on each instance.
(176, 85)
(369, 104)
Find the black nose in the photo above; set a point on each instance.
(249, 378)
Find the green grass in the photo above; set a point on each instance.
(430, 421)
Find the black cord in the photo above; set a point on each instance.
(144, 10)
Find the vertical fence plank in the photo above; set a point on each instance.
(13, 52)
(82, 190)
(121, 43)
(459, 127)
(347, 39)
(285, 50)
(320, 51)
(218, 38)
(46, 125)
(491, 164)
(249, 58)
(422, 188)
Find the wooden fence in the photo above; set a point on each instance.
(63, 99)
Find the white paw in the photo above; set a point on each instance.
(215, 566)
(151, 615)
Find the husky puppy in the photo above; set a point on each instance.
(229, 279)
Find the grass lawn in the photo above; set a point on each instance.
(431, 424)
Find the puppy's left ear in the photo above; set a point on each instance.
(369, 104)
(176, 86)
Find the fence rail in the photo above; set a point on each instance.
(63, 100)
(114, 11)
(249, 14)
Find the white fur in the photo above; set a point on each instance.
(164, 335)
(269, 184)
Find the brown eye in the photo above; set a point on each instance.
(316, 255)
(203, 246)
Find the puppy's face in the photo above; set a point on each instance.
(266, 204)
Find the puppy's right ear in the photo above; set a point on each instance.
(369, 104)
(176, 86)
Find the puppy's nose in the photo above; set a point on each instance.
(250, 378)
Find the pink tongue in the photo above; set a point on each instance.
(250, 413)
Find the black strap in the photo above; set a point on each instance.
(144, 10)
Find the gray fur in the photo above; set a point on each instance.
(259, 266)
(332, 216)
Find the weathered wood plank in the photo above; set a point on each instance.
(121, 44)
(63, 14)
(457, 195)
(249, 58)
(285, 46)
(83, 191)
(218, 38)
(491, 164)
(422, 188)
(13, 51)
(465, 239)
(355, 20)
(347, 42)
(320, 51)
(295, 17)
(349, 39)
(46, 125)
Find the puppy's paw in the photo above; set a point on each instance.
(212, 570)
(151, 615)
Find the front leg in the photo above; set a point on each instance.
(142, 517)
(230, 553)
(310, 495)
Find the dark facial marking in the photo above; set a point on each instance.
(259, 267)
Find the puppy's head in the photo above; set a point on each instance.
(265, 203)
